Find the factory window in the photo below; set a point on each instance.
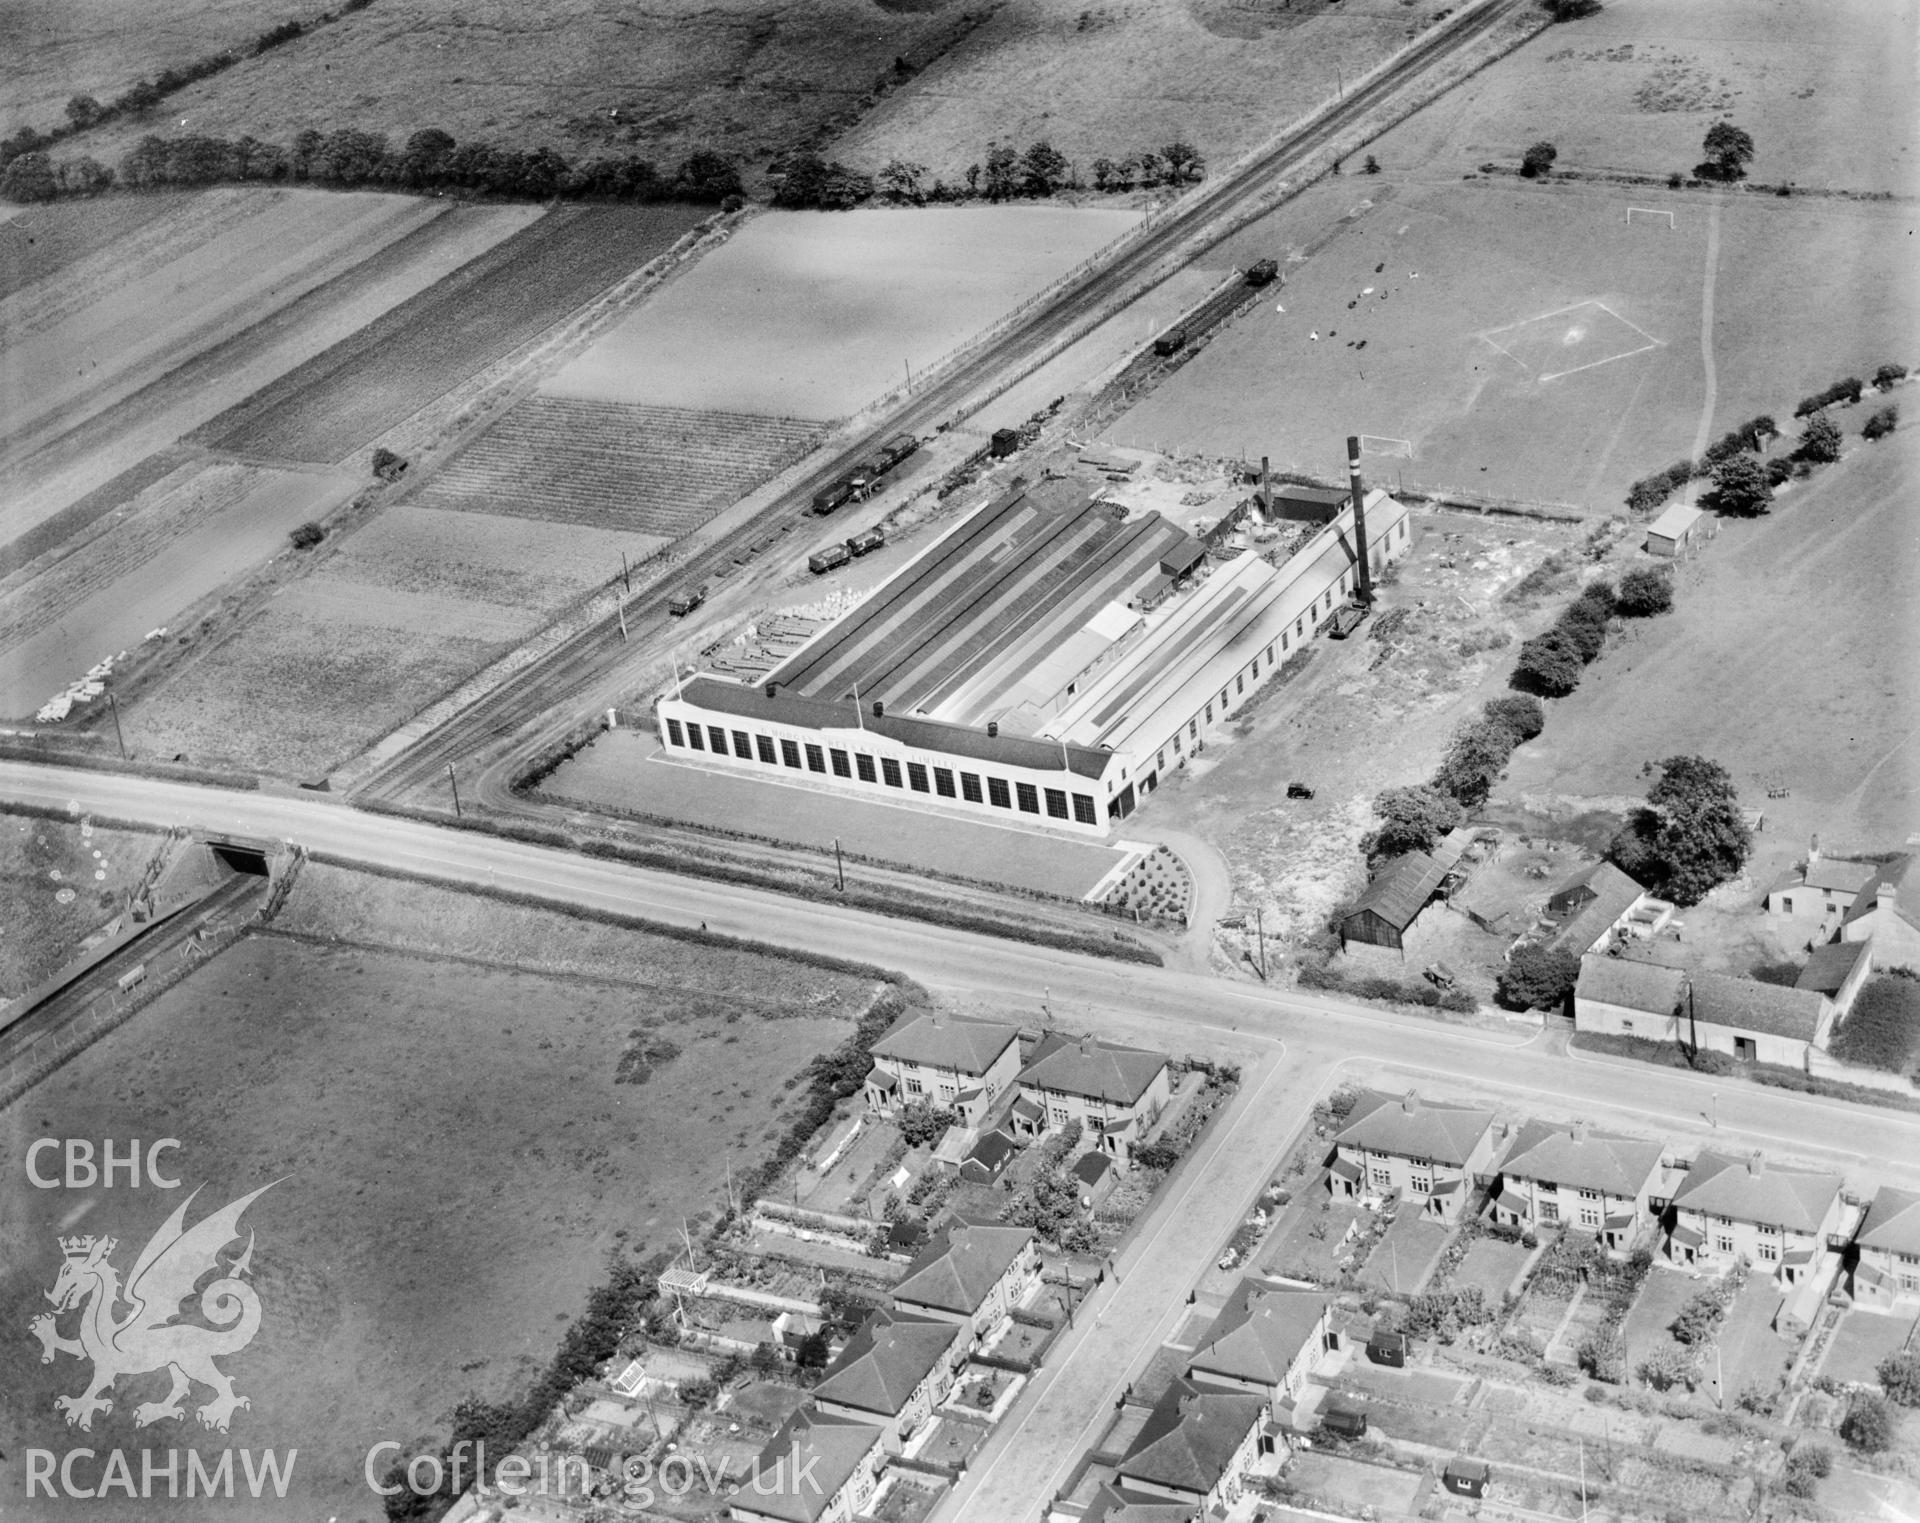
(1193, 728)
(718, 738)
(1270, 657)
(816, 759)
(1283, 640)
(1083, 810)
(842, 763)
(1057, 803)
(1299, 629)
(890, 771)
(916, 777)
(790, 753)
(1240, 683)
(1029, 797)
(943, 782)
(1178, 750)
(765, 744)
(970, 787)
(1160, 756)
(1403, 528)
(693, 738)
(1209, 713)
(743, 745)
(999, 794)
(675, 738)
(1223, 700)
(865, 764)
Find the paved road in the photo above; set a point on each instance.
(1292, 1047)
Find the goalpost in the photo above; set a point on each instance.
(1380, 444)
(1653, 214)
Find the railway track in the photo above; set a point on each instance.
(490, 739)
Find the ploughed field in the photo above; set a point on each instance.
(458, 1144)
(641, 469)
(397, 364)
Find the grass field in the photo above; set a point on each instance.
(390, 618)
(813, 314)
(222, 520)
(62, 880)
(1530, 342)
(647, 470)
(454, 1159)
(423, 348)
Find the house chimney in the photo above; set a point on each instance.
(1363, 588)
(1813, 848)
(993, 728)
(1756, 1164)
(879, 709)
(772, 688)
(1266, 487)
(1411, 1102)
(1580, 1131)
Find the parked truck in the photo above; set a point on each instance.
(1263, 272)
(867, 539)
(823, 561)
(830, 497)
(687, 600)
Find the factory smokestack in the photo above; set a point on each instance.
(1363, 587)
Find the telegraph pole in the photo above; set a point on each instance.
(456, 790)
(839, 868)
(114, 709)
(626, 571)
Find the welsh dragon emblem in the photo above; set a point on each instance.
(149, 1336)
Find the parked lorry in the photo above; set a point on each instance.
(867, 539)
(830, 497)
(823, 561)
(687, 600)
(1263, 272)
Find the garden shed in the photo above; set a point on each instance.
(1466, 1477)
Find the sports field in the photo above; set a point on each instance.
(424, 1240)
(814, 314)
(1536, 343)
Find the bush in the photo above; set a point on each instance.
(1521, 715)
(1644, 592)
(1474, 762)
(1584, 624)
(1604, 1356)
(1538, 160)
(1710, 1060)
(387, 465)
(1570, 10)
(1413, 819)
(1900, 1377)
(1779, 471)
(1549, 664)
(1740, 485)
(307, 536)
(1537, 978)
(1889, 376)
(922, 1124)
(1846, 391)
(1883, 1029)
(1881, 423)
(1869, 1424)
(1667, 1367)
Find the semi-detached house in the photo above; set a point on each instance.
(1430, 1153)
(1573, 1176)
(1114, 1092)
(1778, 1219)
(1887, 1275)
(949, 1062)
(818, 1468)
(893, 1372)
(1196, 1445)
(1267, 1340)
(970, 1274)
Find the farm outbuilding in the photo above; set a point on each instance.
(1675, 531)
(1393, 901)
(1466, 1477)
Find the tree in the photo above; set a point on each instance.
(1691, 837)
(1474, 762)
(1882, 423)
(1728, 149)
(1151, 166)
(1372, 166)
(1043, 169)
(1183, 161)
(1869, 1424)
(1900, 1377)
(1570, 10)
(84, 176)
(1412, 819)
(1549, 664)
(1003, 172)
(900, 181)
(1820, 440)
(29, 177)
(1103, 173)
(1667, 1367)
(1521, 713)
(1537, 162)
(921, 1123)
(1740, 486)
(1889, 376)
(812, 1352)
(1604, 1356)
(1644, 592)
(708, 176)
(1584, 625)
(83, 111)
(1537, 978)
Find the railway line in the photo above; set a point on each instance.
(491, 738)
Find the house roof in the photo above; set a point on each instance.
(1092, 1068)
(1116, 1504)
(842, 1446)
(1582, 1158)
(1677, 519)
(1400, 890)
(1191, 1436)
(1467, 1468)
(1890, 877)
(1259, 1332)
(714, 695)
(890, 1354)
(1630, 985)
(1746, 1004)
(1831, 966)
(1415, 1128)
(945, 1041)
(1892, 1221)
(1614, 893)
(1841, 877)
(1752, 1190)
(960, 1266)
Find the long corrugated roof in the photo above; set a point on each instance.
(1752, 1190)
(1400, 890)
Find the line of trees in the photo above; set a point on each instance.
(349, 158)
(141, 97)
(1749, 438)
(1006, 174)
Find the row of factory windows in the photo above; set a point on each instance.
(916, 776)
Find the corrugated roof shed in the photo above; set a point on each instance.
(1400, 890)
(1674, 522)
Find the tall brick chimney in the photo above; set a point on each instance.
(1363, 587)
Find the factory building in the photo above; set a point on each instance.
(1048, 660)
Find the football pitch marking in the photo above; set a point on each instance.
(1527, 335)
(1650, 213)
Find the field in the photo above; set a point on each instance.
(1531, 343)
(644, 470)
(391, 617)
(1741, 628)
(222, 519)
(823, 311)
(423, 348)
(425, 1240)
(752, 77)
(1113, 79)
(102, 462)
(61, 880)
